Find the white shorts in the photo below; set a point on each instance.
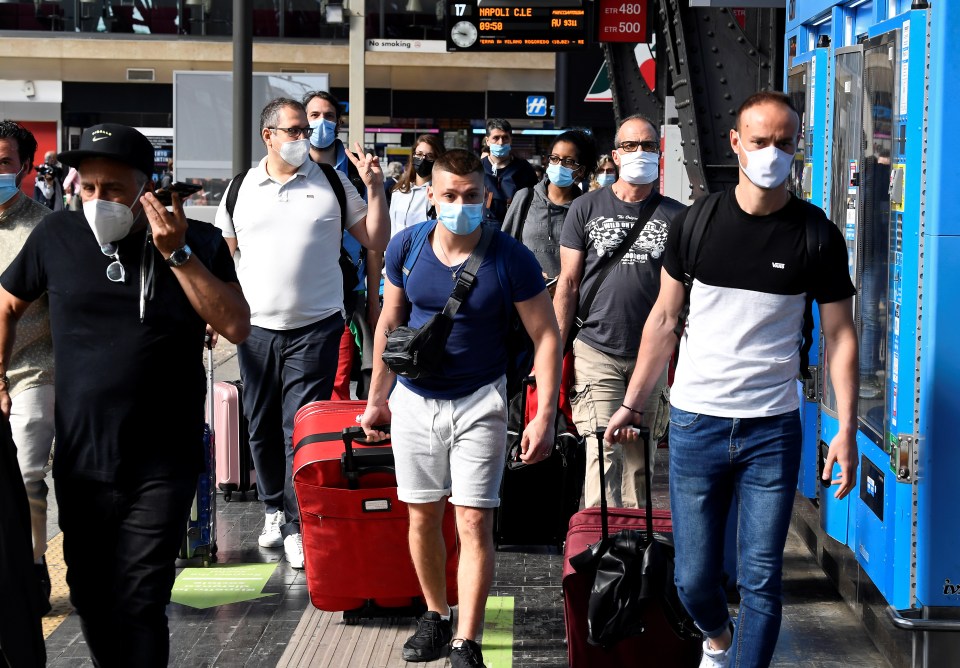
(450, 447)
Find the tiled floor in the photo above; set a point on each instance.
(818, 630)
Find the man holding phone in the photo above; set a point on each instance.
(286, 224)
(130, 287)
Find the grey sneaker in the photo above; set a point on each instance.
(271, 536)
(714, 658)
(433, 634)
(465, 654)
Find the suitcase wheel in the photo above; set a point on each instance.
(227, 495)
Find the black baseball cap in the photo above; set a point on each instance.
(111, 140)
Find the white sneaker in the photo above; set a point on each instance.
(271, 536)
(714, 658)
(293, 549)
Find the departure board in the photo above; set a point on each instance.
(516, 25)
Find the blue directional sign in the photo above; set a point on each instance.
(536, 105)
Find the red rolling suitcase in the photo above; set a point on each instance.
(658, 645)
(354, 529)
(235, 472)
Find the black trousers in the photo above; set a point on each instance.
(282, 371)
(120, 542)
(22, 603)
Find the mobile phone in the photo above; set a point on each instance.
(185, 190)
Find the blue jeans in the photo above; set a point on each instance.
(282, 371)
(754, 462)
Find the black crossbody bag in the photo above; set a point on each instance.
(417, 352)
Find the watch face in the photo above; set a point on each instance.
(463, 34)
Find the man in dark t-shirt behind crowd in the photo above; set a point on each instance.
(734, 420)
(130, 286)
(503, 173)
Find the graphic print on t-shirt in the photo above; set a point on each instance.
(606, 234)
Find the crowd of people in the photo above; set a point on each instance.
(104, 308)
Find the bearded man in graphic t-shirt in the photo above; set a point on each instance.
(734, 420)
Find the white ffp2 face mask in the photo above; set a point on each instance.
(109, 221)
(766, 167)
(295, 153)
(639, 168)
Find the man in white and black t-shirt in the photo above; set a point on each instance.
(605, 349)
(734, 422)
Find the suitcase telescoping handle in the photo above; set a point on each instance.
(647, 476)
(350, 469)
(208, 344)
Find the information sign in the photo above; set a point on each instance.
(622, 21)
(516, 25)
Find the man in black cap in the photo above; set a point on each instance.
(131, 286)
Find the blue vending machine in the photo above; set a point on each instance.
(891, 186)
(807, 85)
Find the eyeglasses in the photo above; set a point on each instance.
(293, 133)
(645, 146)
(424, 156)
(566, 162)
(115, 270)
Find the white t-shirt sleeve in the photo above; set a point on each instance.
(356, 207)
(223, 219)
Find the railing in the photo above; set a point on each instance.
(413, 19)
(280, 19)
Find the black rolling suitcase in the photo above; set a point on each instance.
(201, 537)
(537, 501)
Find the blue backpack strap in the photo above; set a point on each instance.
(417, 238)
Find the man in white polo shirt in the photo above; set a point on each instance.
(286, 224)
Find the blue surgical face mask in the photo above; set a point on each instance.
(499, 150)
(560, 176)
(460, 218)
(8, 186)
(605, 179)
(324, 132)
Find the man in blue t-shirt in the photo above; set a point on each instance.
(449, 431)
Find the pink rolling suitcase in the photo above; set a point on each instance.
(235, 472)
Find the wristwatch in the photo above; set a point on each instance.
(180, 256)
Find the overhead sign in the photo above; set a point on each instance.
(515, 25)
(619, 21)
(407, 45)
(536, 105)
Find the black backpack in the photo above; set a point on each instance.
(347, 267)
(694, 227)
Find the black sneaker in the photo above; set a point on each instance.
(433, 634)
(466, 654)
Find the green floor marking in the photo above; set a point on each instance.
(498, 632)
(220, 584)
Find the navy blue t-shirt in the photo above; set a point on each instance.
(476, 351)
